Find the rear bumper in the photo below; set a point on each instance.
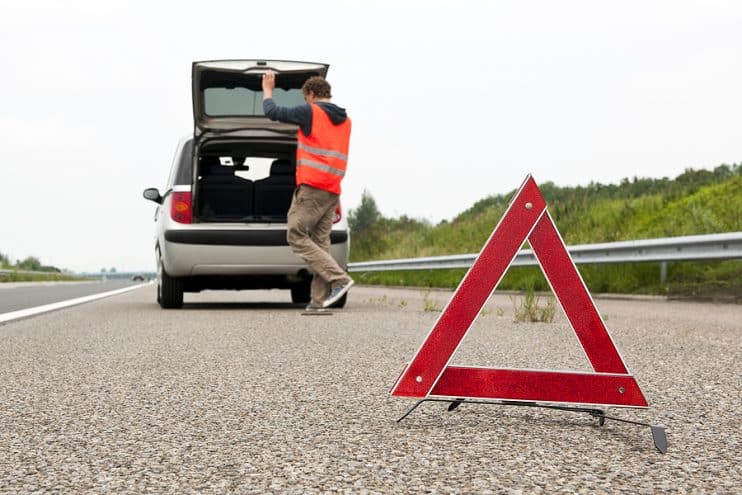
(266, 237)
(194, 253)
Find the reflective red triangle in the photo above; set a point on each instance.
(428, 374)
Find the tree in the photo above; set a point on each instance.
(31, 263)
(365, 215)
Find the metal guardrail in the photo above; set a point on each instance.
(666, 249)
(117, 275)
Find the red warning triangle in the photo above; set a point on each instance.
(429, 374)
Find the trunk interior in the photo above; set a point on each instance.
(244, 181)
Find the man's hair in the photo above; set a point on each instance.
(318, 86)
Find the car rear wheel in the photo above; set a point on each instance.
(301, 292)
(169, 289)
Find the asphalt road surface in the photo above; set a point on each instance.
(23, 295)
(239, 393)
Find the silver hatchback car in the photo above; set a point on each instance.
(221, 221)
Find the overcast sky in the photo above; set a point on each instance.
(450, 101)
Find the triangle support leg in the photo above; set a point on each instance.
(412, 409)
(659, 435)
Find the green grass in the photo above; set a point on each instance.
(696, 202)
(42, 277)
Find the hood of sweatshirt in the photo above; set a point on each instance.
(337, 114)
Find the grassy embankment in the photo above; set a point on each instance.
(38, 277)
(696, 202)
(31, 270)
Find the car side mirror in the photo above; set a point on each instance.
(152, 194)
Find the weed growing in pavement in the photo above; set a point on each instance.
(547, 313)
(382, 301)
(485, 312)
(429, 304)
(529, 309)
(402, 303)
(500, 312)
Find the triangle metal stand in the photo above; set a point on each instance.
(659, 435)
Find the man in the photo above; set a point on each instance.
(321, 159)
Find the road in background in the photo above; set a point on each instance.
(239, 393)
(23, 295)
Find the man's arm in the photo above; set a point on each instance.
(300, 115)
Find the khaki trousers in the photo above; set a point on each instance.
(309, 224)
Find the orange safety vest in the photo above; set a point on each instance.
(321, 157)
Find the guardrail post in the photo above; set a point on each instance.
(663, 272)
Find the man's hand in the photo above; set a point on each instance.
(269, 83)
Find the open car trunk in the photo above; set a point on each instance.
(244, 163)
(244, 181)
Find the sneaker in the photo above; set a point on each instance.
(336, 293)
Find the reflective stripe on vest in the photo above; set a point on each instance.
(320, 151)
(322, 157)
(320, 166)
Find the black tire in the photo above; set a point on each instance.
(170, 292)
(159, 276)
(301, 292)
(340, 303)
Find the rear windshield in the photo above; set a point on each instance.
(221, 102)
(227, 94)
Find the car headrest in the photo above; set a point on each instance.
(282, 167)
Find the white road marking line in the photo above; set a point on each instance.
(24, 313)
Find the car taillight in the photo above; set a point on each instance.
(338, 213)
(180, 207)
